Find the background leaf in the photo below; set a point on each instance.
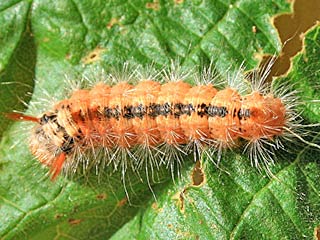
(48, 39)
(17, 58)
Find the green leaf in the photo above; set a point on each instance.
(17, 58)
(47, 39)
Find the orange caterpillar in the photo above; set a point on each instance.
(159, 122)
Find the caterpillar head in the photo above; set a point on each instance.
(47, 142)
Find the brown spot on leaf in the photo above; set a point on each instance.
(182, 206)
(180, 198)
(197, 176)
(45, 39)
(58, 215)
(101, 196)
(178, 1)
(112, 22)
(122, 202)
(317, 232)
(153, 5)
(154, 206)
(93, 56)
(68, 56)
(254, 29)
(72, 221)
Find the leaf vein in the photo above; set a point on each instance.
(31, 211)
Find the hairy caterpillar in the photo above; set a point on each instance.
(131, 121)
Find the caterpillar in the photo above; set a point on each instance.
(132, 121)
